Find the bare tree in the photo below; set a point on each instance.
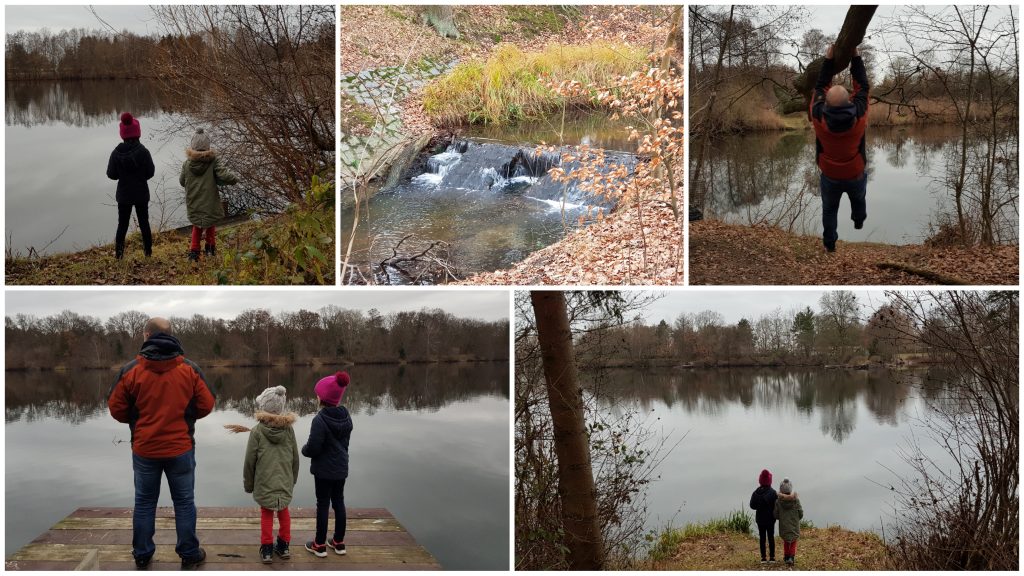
(575, 476)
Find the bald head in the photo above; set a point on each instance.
(154, 325)
(837, 96)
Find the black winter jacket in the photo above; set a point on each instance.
(763, 501)
(131, 165)
(327, 446)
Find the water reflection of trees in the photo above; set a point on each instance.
(834, 395)
(767, 178)
(81, 103)
(80, 396)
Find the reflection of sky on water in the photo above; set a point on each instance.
(441, 469)
(832, 433)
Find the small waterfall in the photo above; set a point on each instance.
(439, 165)
(488, 167)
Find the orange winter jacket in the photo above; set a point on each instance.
(160, 395)
(839, 131)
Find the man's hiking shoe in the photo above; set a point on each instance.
(143, 563)
(858, 224)
(763, 561)
(193, 563)
(210, 250)
(339, 547)
(267, 553)
(318, 550)
(771, 560)
(193, 255)
(281, 549)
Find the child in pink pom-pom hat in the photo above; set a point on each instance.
(327, 448)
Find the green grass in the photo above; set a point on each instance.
(510, 85)
(670, 538)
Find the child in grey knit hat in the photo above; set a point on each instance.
(271, 469)
(789, 512)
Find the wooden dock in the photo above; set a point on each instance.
(101, 538)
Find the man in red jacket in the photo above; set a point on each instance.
(160, 395)
(840, 121)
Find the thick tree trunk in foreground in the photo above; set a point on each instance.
(576, 488)
(850, 36)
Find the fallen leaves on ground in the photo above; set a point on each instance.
(831, 548)
(732, 254)
(608, 252)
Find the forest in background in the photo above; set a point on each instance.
(256, 337)
(838, 330)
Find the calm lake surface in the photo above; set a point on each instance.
(833, 433)
(58, 137)
(764, 176)
(430, 444)
(489, 223)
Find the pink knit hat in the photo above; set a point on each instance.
(129, 126)
(331, 388)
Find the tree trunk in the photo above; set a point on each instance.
(697, 200)
(850, 36)
(576, 489)
(442, 18)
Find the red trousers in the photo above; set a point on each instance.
(197, 233)
(789, 548)
(284, 518)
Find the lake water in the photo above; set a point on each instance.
(430, 444)
(58, 137)
(766, 176)
(488, 223)
(832, 432)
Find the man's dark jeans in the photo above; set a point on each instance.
(831, 194)
(181, 479)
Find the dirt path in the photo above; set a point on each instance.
(731, 254)
(830, 548)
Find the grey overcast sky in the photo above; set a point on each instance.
(481, 304)
(737, 304)
(138, 19)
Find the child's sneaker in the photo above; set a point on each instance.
(318, 550)
(267, 553)
(282, 549)
(339, 547)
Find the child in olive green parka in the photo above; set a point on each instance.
(789, 512)
(271, 470)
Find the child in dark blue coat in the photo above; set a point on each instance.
(327, 448)
(763, 501)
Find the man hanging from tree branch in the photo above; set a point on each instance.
(840, 121)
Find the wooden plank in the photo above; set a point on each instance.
(217, 554)
(206, 523)
(232, 512)
(355, 538)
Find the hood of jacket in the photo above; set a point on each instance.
(337, 419)
(161, 352)
(126, 153)
(841, 118)
(764, 492)
(199, 161)
(275, 426)
(788, 501)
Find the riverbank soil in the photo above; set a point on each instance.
(730, 254)
(616, 250)
(831, 548)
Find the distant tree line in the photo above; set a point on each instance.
(256, 337)
(80, 54)
(836, 331)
